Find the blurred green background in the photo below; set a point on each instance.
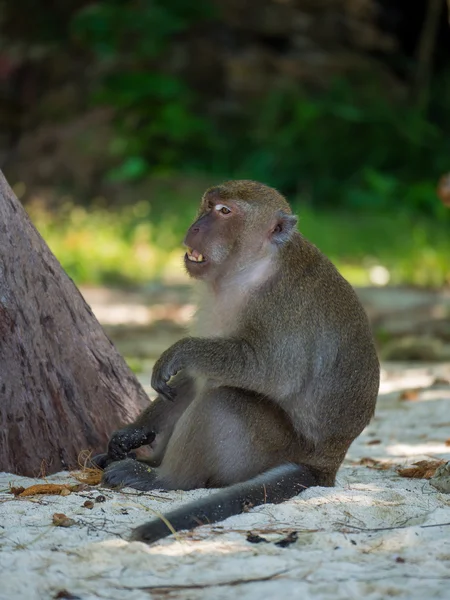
(116, 115)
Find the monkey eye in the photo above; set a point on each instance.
(222, 209)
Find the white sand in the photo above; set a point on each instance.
(374, 536)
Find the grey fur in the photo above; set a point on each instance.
(281, 370)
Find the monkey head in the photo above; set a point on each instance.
(239, 223)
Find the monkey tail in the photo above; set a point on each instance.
(273, 486)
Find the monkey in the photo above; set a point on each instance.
(278, 377)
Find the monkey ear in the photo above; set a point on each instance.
(284, 227)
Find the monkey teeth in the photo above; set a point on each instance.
(195, 256)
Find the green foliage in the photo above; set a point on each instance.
(102, 246)
(155, 122)
(412, 248)
(134, 29)
(133, 246)
(348, 147)
(351, 146)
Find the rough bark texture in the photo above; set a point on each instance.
(63, 385)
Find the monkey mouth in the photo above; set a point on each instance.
(195, 256)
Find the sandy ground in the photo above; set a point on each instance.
(375, 535)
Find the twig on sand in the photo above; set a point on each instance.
(200, 586)
(370, 529)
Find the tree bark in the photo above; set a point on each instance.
(63, 386)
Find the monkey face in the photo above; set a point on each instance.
(238, 225)
(210, 239)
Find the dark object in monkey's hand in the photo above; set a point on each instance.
(120, 444)
(129, 438)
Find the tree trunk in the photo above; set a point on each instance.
(63, 386)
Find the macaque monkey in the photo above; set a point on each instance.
(279, 376)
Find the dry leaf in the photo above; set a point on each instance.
(371, 463)
(373, 442)
(60, 489)
(441, 381)
(88, 474)
(291, 538)
(16, 490)
(62, 520)
(447, 442)
(424, 469)
(65, 595)
(409, 395)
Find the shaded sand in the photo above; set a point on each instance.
(374, 536)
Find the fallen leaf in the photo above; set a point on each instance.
(447, 442)
(371, 463)
(60, 489)
(65, 595)
(254, 538)
(373, 442)
(441, 381)
(424, 469)
(89, 475)
(291, 538)
(62, 520)
(409, 395)
(16, 490)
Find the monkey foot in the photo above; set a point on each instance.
(131, 473)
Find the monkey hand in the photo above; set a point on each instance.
(171, 362)
(126, 439)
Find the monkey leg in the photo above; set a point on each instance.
(230, 438)
(131, 473)
(225, 436)
(154, 426)
(162, 416)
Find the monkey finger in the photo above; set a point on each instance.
(170, 363)
(160, 384)
(165, 391)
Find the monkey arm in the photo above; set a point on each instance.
(233, 362)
